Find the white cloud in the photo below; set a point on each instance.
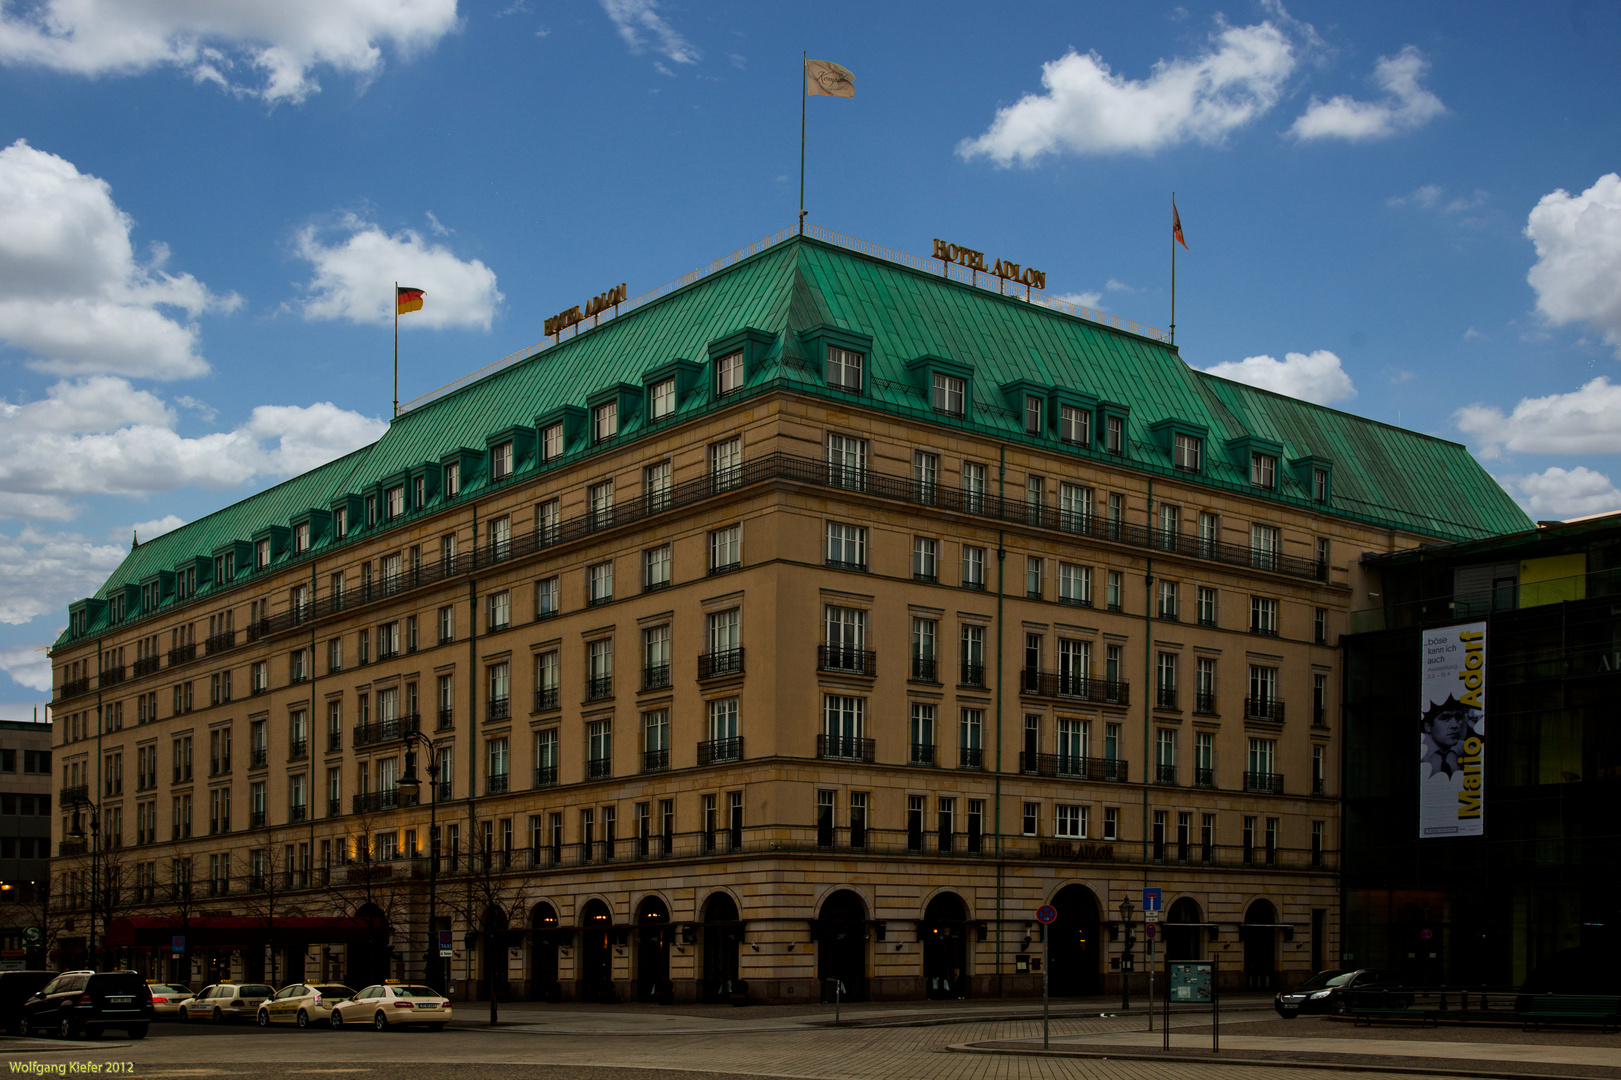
(1556, 494)
(148, 530)
(1577, 276)
(73, 296)
(1430, 196)
(28, 665)
(276, 45)
(638, 18)
(1117, 286)
(1405, 106)
(355, 275)
(41, 573)
(1087, 109)
(1585, 421)
(103, 437)
(1472, 334)
(1093, 300)
(1314, 376)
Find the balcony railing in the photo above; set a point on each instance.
(655, 760)
(718, 750)
(1204, 777)
(599, 768)
(1264, 783)
(256, 819)
(1269, 710)
(334, 741)
(497, 709)
(1165, 698)
(970, 757)
(599, 687)
(844, 748)
(1319, 716)
(78, 793)
(972, 675)
(546, 776)
(182, 654)
(1165, 775)
(656, 677)
(847, 660)
(382, 731)
(1073, 686)
(548, 697)
(1204, 703)
(713, 665)
(258, 757)
(1074, 767)
(334, 807)
(1319, 786)
(925, 669)
(73, 688)
(922, 754)
(298, 750)
(296, 813)
(218, 643)
(496, 785)
(372, 802)
(146, 665)
(447, 719)
(112, 674)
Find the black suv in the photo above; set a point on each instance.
(17, 987)
(87, 1002)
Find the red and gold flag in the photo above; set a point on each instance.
(1176, 230)
(406, 299)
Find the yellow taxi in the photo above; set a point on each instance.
(302, 1004)
(226, 1001)
(169, 999)
(390, 1005)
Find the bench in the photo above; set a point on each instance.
(1423, 1016)
(1571, 1009)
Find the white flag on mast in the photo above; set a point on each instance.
(828, 79)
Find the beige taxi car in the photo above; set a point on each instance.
(226, 1001)
(169, 1000)
(302, 1004)
(391, 1005)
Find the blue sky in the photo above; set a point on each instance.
(1406, 210)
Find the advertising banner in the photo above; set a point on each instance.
(1452, 732)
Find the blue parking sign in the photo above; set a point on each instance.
(177, 944)
(1151, 899)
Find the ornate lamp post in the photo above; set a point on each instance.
(76, 832)
(1125, 957)
(409, 785)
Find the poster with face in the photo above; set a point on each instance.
(1452, 732)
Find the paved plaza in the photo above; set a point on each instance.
(982, 1040)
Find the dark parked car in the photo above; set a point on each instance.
(17, 987)
(1335, 992)
(88, 1002)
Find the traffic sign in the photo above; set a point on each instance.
(177, 944)
(1046, 913)
(1151, 917)
(1426, 933)
(1151, 900)
(1151, 931)
(446, 944)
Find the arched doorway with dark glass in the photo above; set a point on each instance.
(722, 931)
(945, 933)
(1260, 934)
(653, 951)
(841, 946)
(1184, 930)
(543, 940)
(368, 958)
(596, 953)
(1074, 948)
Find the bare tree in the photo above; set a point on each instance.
(360, 885)
(487, 893)
(266, 895)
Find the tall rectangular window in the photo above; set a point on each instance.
(1189, 452)
(846, 546)
(1033, 407)
(1074, 584)
(599, 503)
(600, 669)
(925, 476)
(551, 442)
(924, 633)
(846, 461)
(971, 739)
(599, 748)
(973, 655)
(946, 394)
(925, 558)
(1204, 684)
(973, 567)
(600, 582)
(1114, 435)
(656, 567)
(1319, 625)
(394, 501)
(1074, 425)
(656, 481)
(973, 487)
(1319, 485)
(1265, 546)
(452, 479)
(726, 464)
(500, 611)
(1168, 599)
(1264, 471)
(729, 373)
(1117, 590)
(922, 730)
(605, 421)
(726, 549)
(1204, 758)
(1074, 507)
(844, 368)
(1033, 566)
(1263, 615)
(1207, 606)
(501, 461)
(661, 400)
(546, 597)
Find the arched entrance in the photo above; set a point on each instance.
(1075, 945)
(596, 953)
(1260, 945)
(722, 934)
(652, 950)
(492, 967)
(1184, 941)
(543, 985)
(945, 947)
(368, 959)
(841, 945)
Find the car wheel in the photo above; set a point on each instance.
(264, 1017)
(380, 1022)
(337, 1019)
(218, 1017)
(303, 1019)
(65, 1029)
(1340, 1007)
(136, 1031)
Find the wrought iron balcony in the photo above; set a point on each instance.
(73, 688)
(372, 802)
(922, 754)
(334, 807)
(1269, 710)
(972, 675)
(497, 709)
(712, 665)
(599, 768)
(546, 776)
(447, 719)
(1165, 775)
(112, 674)
(847, 660)
(146, 665)
(1074, 686)
(925, 669)
(548, 697)
(655, 760)
(844, 748)
(218, 643)
(182, 654)
(1165, 698)
(258, 757)
(68, 796)
(382, 731)
(496, 785)
(718, 750)
(1073, 766)
(1263, 783)
(656, 677)
(970, 757)
(1204, 777)
(1204, 703)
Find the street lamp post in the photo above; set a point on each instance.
(1125, 957)
(77, 833)
(410, 785)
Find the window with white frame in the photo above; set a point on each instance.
(726, 464)
(973, 567)
(844, 368)
(1074, 425)
(1207, 605)
(725, 549)
(1033, 409)
(946, 394)
(600, 582)
(499, 607)
(600, 503)
(551, 442)
(846, 546)
(656, 567)
(1264, 471)
(973, 487)
(926, 476)
(452, 482)
(1074, 584)
(546, 597)
(1075, 502)
(656, 486)
(729, 373)
(1265, 545)
(604, 421)
(925, 558)
(846, 461)
(661, 400)
(1263, 615)
(394, 501)
(501, 461)
(1189, 452)
(1070, 822)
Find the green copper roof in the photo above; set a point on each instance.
(1382, 475)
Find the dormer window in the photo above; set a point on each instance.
(1264, 471)
(301, 538)
(551, 442)
(453, 479)
(371, 510)
(1114, 435)
(1074, 425)
(419, 492)
(947, 394)
(501, 461)
(1032, 415)
(661, 400)
(844, 368)
(1319, 485)
(340, 522)
(605, 421)
(1189, 450)
(729, 373)
(261, 553)
(395, 497)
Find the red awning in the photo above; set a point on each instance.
(230, 932)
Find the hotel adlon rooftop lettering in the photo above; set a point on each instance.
(595, 306)
(1002, 268)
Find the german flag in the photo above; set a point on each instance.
(406, 299)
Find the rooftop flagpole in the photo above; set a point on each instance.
(804, 95)
(1173, 268)
(397, 341)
